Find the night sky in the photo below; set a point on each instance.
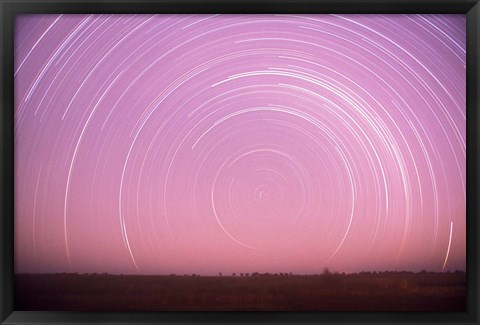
(158, 144)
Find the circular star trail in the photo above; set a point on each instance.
(158, 144)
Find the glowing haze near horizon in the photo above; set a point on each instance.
(158, 144)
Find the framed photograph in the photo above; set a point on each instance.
(267, 161)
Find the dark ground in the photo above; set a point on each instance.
(387, 291)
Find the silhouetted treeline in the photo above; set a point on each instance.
(328, 291)
(326, 271)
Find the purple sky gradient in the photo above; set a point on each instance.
(232, 143)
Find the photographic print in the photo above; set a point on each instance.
(240, 162)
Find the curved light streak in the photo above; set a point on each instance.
(238, 142)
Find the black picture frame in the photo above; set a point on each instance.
(10, 8)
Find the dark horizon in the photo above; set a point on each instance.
(238, 274)
(266, 292)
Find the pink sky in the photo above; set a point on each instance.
(232, 143)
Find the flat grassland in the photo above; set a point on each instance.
(385, 291)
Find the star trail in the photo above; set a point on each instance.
(159, 144)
